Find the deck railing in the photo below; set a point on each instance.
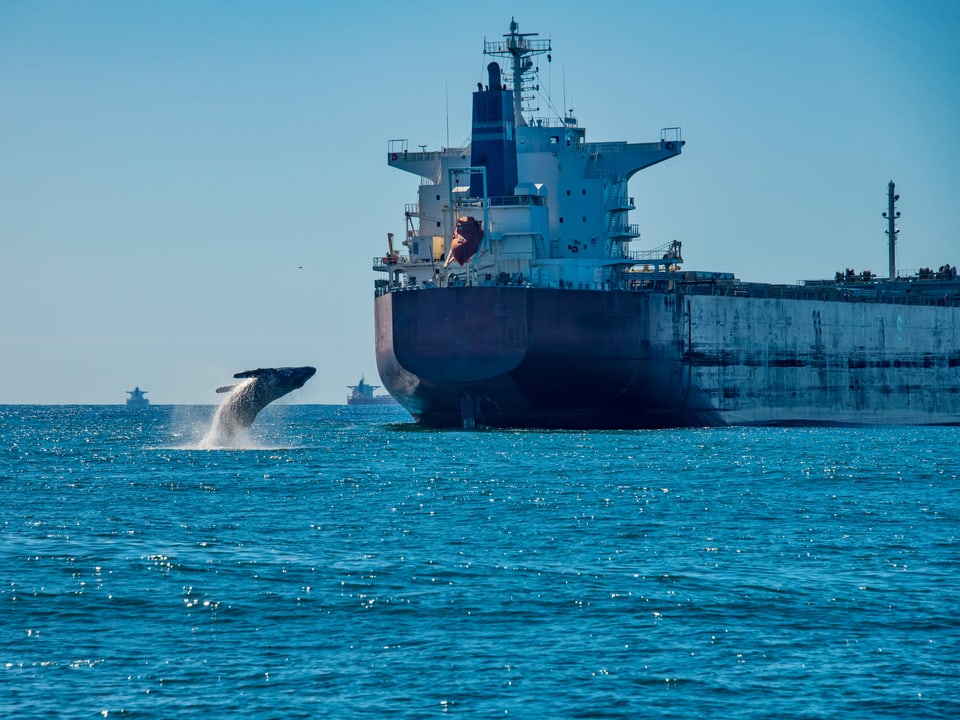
(717, 286)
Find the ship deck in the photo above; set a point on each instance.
(934, 292)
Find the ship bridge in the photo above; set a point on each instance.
(554, 209)
(623, 159)
(429, 165)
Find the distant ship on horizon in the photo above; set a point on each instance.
(137, 399)
(362, 394)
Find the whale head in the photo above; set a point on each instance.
(290, 378)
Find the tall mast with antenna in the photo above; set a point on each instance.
(891, 215)
(520, 47)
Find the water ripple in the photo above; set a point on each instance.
(356, 565)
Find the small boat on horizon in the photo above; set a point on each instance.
(362, 394)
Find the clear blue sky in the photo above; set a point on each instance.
(190, 189)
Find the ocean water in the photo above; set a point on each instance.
(345, 563)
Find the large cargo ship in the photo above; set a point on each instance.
(519, 300)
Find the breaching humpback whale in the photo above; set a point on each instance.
(259, 388)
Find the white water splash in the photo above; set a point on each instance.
(221, 434)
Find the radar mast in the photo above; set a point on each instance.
(892, 230)
(520, 47)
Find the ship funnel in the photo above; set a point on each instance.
(494, 71)
(493, 143)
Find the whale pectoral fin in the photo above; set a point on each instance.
(225, 388)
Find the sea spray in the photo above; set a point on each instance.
(224, 431)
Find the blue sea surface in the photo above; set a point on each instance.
(345, 563)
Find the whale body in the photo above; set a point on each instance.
(259, 388)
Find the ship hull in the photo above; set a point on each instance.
(538, 357)
(379, 400)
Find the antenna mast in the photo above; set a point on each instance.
(518, 47)
(891, 215)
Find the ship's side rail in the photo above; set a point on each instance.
(675, 282)
(397, 150)
(401, 263)
(842, 293)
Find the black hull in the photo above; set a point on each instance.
(521, 357)
(536, 357)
